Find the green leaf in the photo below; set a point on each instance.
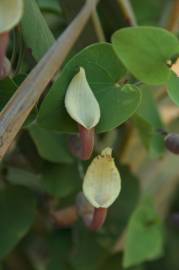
(87, 253)
(17, 211)
(60, 245)
(61, 180)
(148, 12)
(51, 6)
(114, 263)
(17, 176)
(36, 33)
(144, 51)
(173, 88)
(144, 240)
(145, 130)
(51, 145)
(7, 89)
(148, 116)
(103, 70)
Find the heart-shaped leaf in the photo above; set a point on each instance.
(145, 50)
(36, 34)
(61, 181)
(17, 211)
(103, 71)
(51, 145)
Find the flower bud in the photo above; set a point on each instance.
(172, 143)
(102, 182)
(81, 103)
(6, 69)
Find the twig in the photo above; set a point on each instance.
(128, 12)
(174, 17)
(20, 105)
(98, 27)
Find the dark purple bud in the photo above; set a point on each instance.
(172, 143)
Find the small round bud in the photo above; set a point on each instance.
(172, 143)
(5, 69)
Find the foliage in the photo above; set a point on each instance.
(130, 74)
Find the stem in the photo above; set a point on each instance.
(128, 12)
(99, 218)
(22, 102)
(174, 17)
(82, 146)
(4, 39)
(87, 142)
(98, 26)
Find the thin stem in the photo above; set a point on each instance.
(22, 102)
(173, 21)
(4, 39)
(128, 12)
(87, 142)
(98, 26)
(82, 145)
(99, 218)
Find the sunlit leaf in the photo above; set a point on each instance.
(144, 51)
(144, 239)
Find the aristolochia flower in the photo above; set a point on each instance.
(10, 14)
(80, 102)
(102, 182)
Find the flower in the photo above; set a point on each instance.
(80, 102)
(10, 14)
(102, 182)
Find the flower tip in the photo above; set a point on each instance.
(107, 152)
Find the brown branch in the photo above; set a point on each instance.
(98, 26)
(173, 21)
(20, 105)
(128, 12)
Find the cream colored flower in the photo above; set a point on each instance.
(10, 14)
(102, 182)
(80, 101)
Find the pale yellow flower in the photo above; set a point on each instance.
(102, 182)
(10, 14)
(80, 102)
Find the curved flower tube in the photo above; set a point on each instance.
(83, 107)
